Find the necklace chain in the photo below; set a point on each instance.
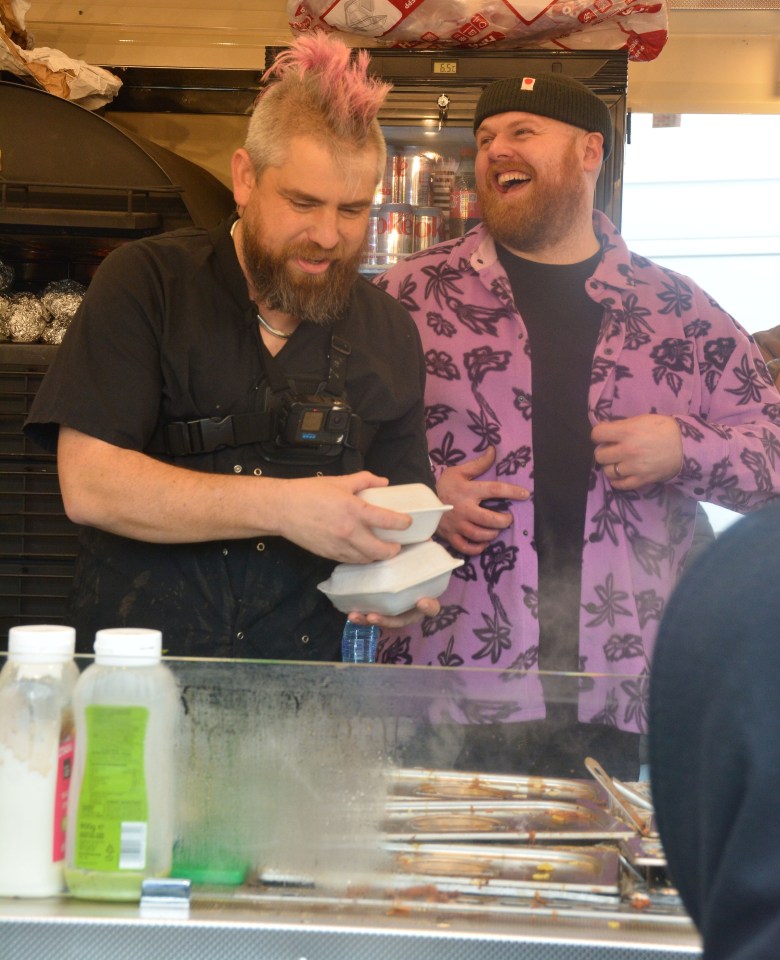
(272, 330)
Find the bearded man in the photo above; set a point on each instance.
(581, 401)
(222, 396)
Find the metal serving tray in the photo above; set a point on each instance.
(643, 851)
(456, 785)
(509, 820)
(491, 870)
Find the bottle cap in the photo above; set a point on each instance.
(39, 643)
(128, 647)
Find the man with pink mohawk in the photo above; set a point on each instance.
(222, 396)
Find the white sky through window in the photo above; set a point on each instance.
(703, 198)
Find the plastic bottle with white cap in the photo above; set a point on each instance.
(36, 753)
(122, 806)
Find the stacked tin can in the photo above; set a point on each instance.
(441, 186)
(395, 232)
(375, 255)
(405, 216)
(428, 227)
(412, 171)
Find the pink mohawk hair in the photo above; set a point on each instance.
(341, 79)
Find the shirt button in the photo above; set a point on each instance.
(259, 546)
(237, 468)
(224, 551)
(257, 472)
(240, 635)
(305, 638)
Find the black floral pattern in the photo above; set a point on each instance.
(650, 606)
(444, 619)
(440, 325)
(514, 461)
(610, 604)
(439, 363)
(395, 650)
(494, 637)
(636, 711)
(664, 347)
(623, 647)
(447, 455)
(496, 560)
(750, 386)
(448, 657)
(436, 414)
(487, 431)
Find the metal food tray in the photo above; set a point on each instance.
(550, 873)
(645, 861)
(456, 785)
(643, 851)
(478, 821)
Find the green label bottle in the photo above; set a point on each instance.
(122, 797)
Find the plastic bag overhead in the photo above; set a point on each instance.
(51, 70)
(640, 28)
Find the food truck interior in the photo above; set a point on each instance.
(309, 833)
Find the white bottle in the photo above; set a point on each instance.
(126, 706)
(36, 756)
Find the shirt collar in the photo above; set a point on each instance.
(480, 250)
(229, 268)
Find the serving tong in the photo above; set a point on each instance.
(623, 796)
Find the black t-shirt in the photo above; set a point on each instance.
(563, 325)
(165, 333)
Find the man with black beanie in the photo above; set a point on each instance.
(581, 402)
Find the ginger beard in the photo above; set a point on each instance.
(311, 298)
(540, 215)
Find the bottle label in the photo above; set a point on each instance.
(113, 808)
(61, 790)
(464, 204)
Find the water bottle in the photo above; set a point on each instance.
(36, 753)
(358, 642)
(126, 706)
(464, 205)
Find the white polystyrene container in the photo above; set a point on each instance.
(391, 586)
(419, 501)
(122, 825)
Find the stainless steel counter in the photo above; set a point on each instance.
(248, 927)
(290, 771)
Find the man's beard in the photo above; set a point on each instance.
(311, 298)
(542, 219)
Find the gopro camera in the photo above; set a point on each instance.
(312, 421)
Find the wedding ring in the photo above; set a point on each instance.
(618, 474)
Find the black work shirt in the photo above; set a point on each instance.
(166, 332)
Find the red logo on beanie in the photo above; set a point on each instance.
(528, 83)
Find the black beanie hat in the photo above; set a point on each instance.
(548, 95)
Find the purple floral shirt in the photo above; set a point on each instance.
(664, 347)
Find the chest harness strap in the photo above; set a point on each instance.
(183, 437)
